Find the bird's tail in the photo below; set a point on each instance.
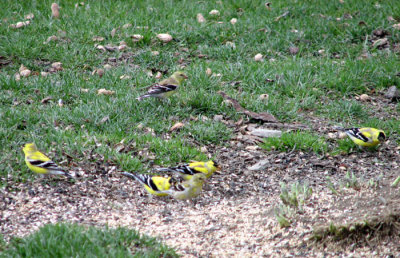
(60, 172)
(140, 98)
(130, 175)
(339, 128)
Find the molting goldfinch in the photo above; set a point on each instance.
(365, 137)
(153, 184)
(188, 170)
(40, 163)
(166, 87)
(188, 189)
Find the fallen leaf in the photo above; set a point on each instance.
(98, 38)
(119, 147)
(25, 73)
(104, 119)
(136, 37)
(396, 26)
(155, 53)
(107, 67)
(200, 18)
(208, 71)
(282, 15)
(29, 16)
(105, 92)
(44, 74)
(84, 90)
(164, 37)
(127, 26)
(365, 97)
(214, 12)
(158, 75)
(51, 38)
(293, 50)
(46, 100)
(60, 103)
(233, 21)
(176, 126)
(113, 31)
(124, 77)
(258, 57)
(55, 10)
(22, 68)
(263, 97)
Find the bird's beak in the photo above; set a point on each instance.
(218, 168)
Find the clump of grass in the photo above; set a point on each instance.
(351, 181)
(71, 240)
(361, 232)
(292, 202)
(302, 141)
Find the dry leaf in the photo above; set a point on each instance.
(97, 38)
(60, 103)
(104, 119)
(136, 37)
(46, 100)
(164, 37)
(119, 147)
(230, 44)
(44, 74)
(20, 24)
(364, 97)
(158, 75)
(204, 149)
(200, 18)
(25, 73)
(105, 92)
(29, 16)
(155, 53)
(396, 26)
(233, 21)
(107, 67)
(100, 72)
(263, 97)
(100, 47)
(57, 66)
(51, 38)
(258, 57)
(127, 26)
(22, 67)
(380, 42)
(214, 12)
(208, 71)
(55, 10)
(149, 73)
(113, 31)
(281, 16)
(124, 77)
(17, 76)
(177, 126)
(84, 90)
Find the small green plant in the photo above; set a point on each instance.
(297, 195)
(396, 182)
(331, 186)
(293, 201)
(351, 181)
(302, 141)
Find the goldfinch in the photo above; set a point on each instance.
(188, 189)
(153, 184)
(40, 163)
(186, 171)
(365, 137)
(166, 87)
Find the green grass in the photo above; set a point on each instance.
(315, 83)
(302, 141)
(71, 240)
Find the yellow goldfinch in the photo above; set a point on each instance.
(40, 163)
(365, 137)
(153, 184)
(189, 188)
(166, 87)
(188, 170)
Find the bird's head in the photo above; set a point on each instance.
(215, 164)
(29, 147)
(381, 136)
(179, 76)
(199, 178)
